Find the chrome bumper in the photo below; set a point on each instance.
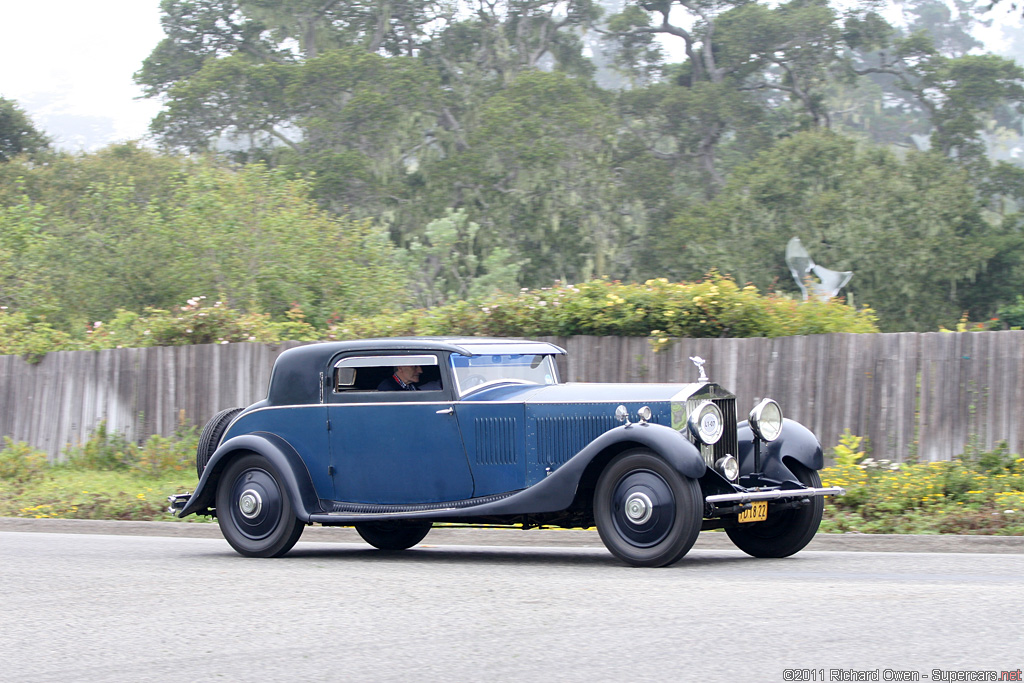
(775, 494)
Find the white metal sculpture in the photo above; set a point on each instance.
(801, 265)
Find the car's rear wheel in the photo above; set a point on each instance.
(254, 510)
(394, 535)
(786, 532)
(647, 513)
(209, 438)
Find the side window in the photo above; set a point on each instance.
(377, 373)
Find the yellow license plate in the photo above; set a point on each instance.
(757, 513)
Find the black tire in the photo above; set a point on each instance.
(254, 509)
(786, 532)
(393, 535)
(209, 438)
(647, 513)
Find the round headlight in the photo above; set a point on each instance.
(728, 467)
(766, 420)
(706, 423)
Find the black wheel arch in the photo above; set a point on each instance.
(295, 477)
(678, 451)
(796, 443)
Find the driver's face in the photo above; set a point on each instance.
(409, 373)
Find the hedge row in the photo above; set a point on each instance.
(659, 309)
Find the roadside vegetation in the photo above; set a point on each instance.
(109, 477)
(977, 492)
(715, 306)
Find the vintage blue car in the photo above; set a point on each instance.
(393, 435)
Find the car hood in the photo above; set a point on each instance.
(586, 392)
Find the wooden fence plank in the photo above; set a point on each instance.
(924, 395)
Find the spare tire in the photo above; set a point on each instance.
(209, 439)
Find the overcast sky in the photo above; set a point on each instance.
(69, 64)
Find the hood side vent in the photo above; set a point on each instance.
(560, 438)
(496, 440)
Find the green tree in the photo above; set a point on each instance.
(957, 95)
(445, 266)
(138, 230)
(17, 133)
(911, 231)
(25, 248)
(745, 63)
(536, 175)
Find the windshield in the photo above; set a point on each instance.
(473, 372)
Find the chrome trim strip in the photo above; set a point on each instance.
(520, 401)
(385, 360)
(774, 495)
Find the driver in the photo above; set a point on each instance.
(404, 378)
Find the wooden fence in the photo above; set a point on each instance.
(911, 394)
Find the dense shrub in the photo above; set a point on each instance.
(106, 477)
(1012, 315)
(20, 463)
(199, 321)
(106, 451)
(662, 310)
(713, 307)
(20, 335)
(980, 492)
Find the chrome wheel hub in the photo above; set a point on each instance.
(250, 504)
(638, 508)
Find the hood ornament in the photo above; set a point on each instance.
(699, 362)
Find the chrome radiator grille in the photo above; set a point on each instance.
(728, 444)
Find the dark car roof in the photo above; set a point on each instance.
(295, 379)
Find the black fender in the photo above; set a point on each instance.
(796, 442)
(558, 490)
(294, 475)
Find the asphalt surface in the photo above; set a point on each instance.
(541, 538)
(105, 608)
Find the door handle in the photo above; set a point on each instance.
(446, 411)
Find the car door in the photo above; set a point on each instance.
(394, 447)
(495, 443)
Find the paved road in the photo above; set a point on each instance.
(96, 607)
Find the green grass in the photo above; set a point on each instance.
(71, 493)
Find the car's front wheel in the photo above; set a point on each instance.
(254, 509)
(786, 532)
(647, 513)
(393, 535)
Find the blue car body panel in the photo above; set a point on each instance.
(494, 445)
(398, 453)
(302, 427)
